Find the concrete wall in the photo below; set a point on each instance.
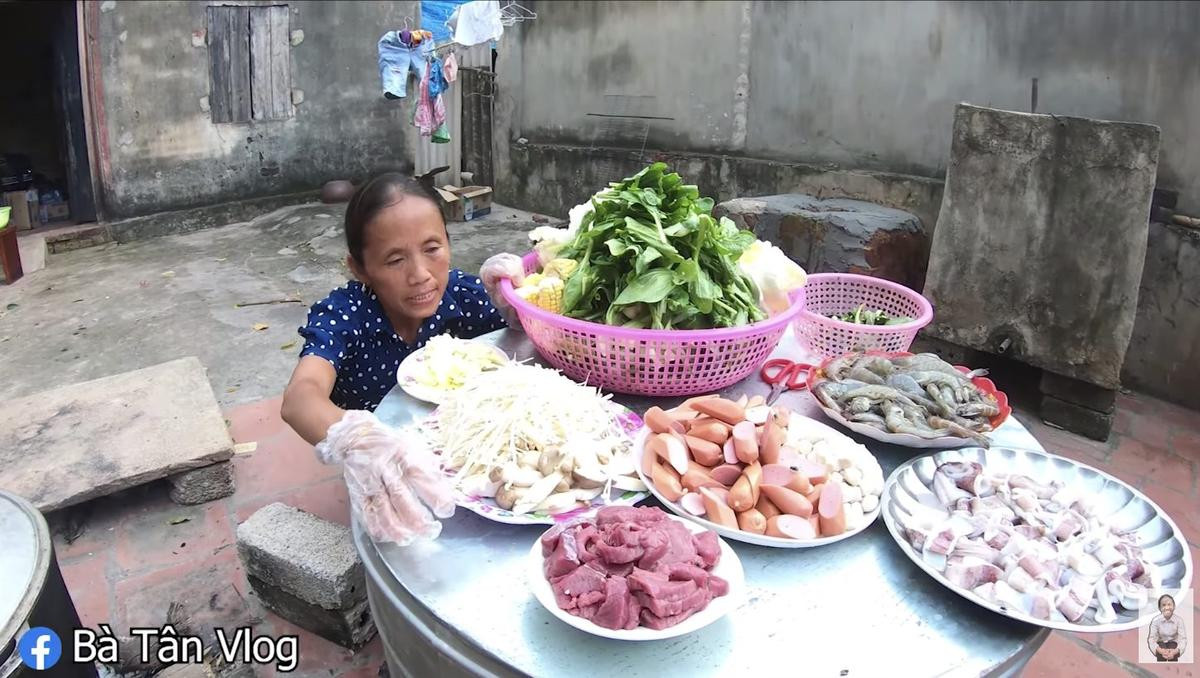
(858, 85)
(160, 149)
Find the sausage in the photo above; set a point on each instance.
(772, 440)
(694, 480)
(652, 450)
(682, 416)
(658, 421)
(728, 452)
(756, 401)
(751, 520)
(693, 503)
(688, 404)
(743, 401)
(832, 510)
(790, 458)
(674, 452)
(705, 451)
(744, 444)
(788, 501)
(719, 408)
(726, 474)
(667, 482)
(790, 527)
(814, 471)
(717, 510)
(814, 520)
(766, 507)
(741, 495)
(718, 491)
(753, 473)
(712, 431)
(778, 474)
(814, 495)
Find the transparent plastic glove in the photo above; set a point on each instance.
(774, 273)
(502, 266)
(391, 476)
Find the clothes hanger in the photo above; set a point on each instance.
(514, 13)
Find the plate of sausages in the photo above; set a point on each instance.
(758, 474)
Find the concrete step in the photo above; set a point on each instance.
(67, 238)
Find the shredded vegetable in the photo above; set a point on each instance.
(446, 362)
(531, 438)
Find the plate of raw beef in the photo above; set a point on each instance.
(635, 574)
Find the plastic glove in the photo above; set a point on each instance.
(775, 275)
(502, 266)
(389, 473)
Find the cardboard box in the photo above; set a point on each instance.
(56, 212)
(24, 208)
(464, 203)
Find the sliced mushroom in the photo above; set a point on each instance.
(520, 476)
(587, 495)
(479, 485)
(629, 484)
(589, 477)
(560, 502)
(508, 496)
(548, 462)
(537, 493)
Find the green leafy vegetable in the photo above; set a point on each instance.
(864, 316)
(651, 255)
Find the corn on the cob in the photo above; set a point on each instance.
(544, 292)
(561, 268)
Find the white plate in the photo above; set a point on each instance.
(902, 439)
(728, 568)
(740, 535)
(405, 374)
(486, 507)
(1118, 504)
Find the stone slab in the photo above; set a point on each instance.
(1076, 418)
(204, 484)
(350, 628)
(1041, 239)
(71, 444)
(837, 234)
(303, 555)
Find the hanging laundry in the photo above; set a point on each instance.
(478, 21)
(450, 68)
(397, 58)
(441, 135)
(437, 79)
(430, 111)
(435, 14)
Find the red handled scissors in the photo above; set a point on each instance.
(787, 376)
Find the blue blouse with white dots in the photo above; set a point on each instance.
(350, 330)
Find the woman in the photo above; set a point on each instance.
(1168, 636)
(404, 292)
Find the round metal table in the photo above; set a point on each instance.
(460, 605)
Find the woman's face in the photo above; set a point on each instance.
(406, 258)
(1167, 607)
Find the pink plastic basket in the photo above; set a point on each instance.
(828, 293)
(648, 362)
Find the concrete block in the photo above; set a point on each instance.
(840, 235)
(202, 485)
(1041, 239)
(351, 627)
(1076, 418)
(303, 556)
(1077, 392)
(62, 447)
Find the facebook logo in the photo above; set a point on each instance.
(40, 648)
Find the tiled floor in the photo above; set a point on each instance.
(138, 554)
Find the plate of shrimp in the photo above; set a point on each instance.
(913, 400)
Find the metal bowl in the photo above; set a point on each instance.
(1118, 504)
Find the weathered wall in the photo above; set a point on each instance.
(163, 150)
(861, 85)
(1164, 356)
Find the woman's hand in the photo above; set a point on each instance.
(502, 266)
(392, 477)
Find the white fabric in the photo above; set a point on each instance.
(478, 21)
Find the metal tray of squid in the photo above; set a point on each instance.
(1114, 502)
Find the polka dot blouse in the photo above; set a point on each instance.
(350, 330)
